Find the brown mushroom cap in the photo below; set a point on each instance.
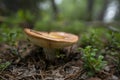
(52, 39)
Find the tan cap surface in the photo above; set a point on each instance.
(52, 39)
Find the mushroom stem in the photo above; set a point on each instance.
(49, 54)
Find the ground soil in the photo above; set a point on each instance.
(30, 64)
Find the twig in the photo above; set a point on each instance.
(34, 77)
(76, 75)
(2, 78)
(41, 75)
(10, 76)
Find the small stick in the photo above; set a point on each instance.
(41, 75)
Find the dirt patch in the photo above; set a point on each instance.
(32, 65)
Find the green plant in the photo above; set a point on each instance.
(93, 62)
(59, 55)
(10, 33)
(10, 38)
(91, 38)
(113, 47)
(3, 66)
(113, 40)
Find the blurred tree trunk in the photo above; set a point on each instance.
(55, 9)
(90, 5)
(104, 8)
(2, 9)
(15, 5)
(117, 17)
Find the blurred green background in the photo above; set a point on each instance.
(74, 16)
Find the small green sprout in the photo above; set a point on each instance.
(92, 39)
(59, 55)
(3, 66)
(93, 62)
(114, 40)
(10, 38)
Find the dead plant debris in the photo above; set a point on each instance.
(33, 66)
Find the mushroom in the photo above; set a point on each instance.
(50, 41)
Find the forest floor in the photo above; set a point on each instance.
(30, 64)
